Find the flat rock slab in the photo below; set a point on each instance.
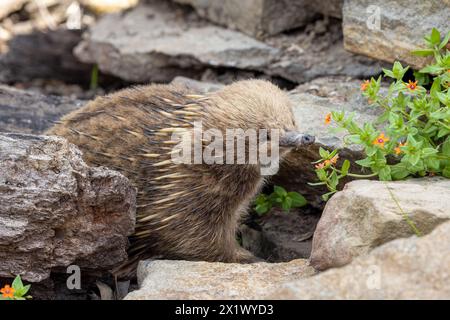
(56, 211)
(412, 268)
(157, 42)
(160, 40)
(255, 17)
(29, 112)
(389, 30)
(169, 279)
(366, 214)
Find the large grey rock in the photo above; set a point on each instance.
(402, 25)
(165, 279)
(254, 17)
(157, 42)
(366, 214)
(56, 211)
(412, 268)
(27, 112)
(318, 51)
(43, 55)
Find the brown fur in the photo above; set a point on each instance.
(184, 211)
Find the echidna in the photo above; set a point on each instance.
(185, 211)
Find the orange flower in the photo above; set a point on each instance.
(397, 150)
(320, 165)
(365, 85)
(328, 118)
(7, 291)
(411, 85)
(327, 162)
(334, 159)
(380, 140)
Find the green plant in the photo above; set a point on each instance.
(412, 135)
(279, 197)
(16, 291)
(93, 85)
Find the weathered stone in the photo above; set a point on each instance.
(331, 8)
(254, 17)
(44, 55)
(280, 236)
(318, 51)
(165, 279)
(56, 211)
(366, 214)
(8, 6)
(157, 42)
(28, 112)
(413, 268)
(389, 30)
(197, 86)
(108, 6)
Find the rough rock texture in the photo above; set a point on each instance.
(8, 6)
(28, 112)
(254, 17)
(367, 214)
(332, 8)
(402, 25)
(165, 279)
(413, 268)
(56, 211)
(280, 236)
(44, 55)
(318, 51)
(157, 42)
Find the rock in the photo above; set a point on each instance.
(9, 6)
(412, 268)
(389, 30)
(157, 42)
(44, 55)
(108, 6)
(331, 8)
(366, 214)
(318, 51)
(254, 17)
(27, 112)
(280, 236)
(197, 86)
(172, 279)
(56, 211)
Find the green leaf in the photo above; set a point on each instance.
(446, 172)
(280, 191)
(445, 41)
(435, 37)
(399, 171)
(261, 208)
(385, 174)
(367, 162)
(323, 153)
(345, 167)
(297, 199)
(422, 52)
(17, 283)
(286, 205)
